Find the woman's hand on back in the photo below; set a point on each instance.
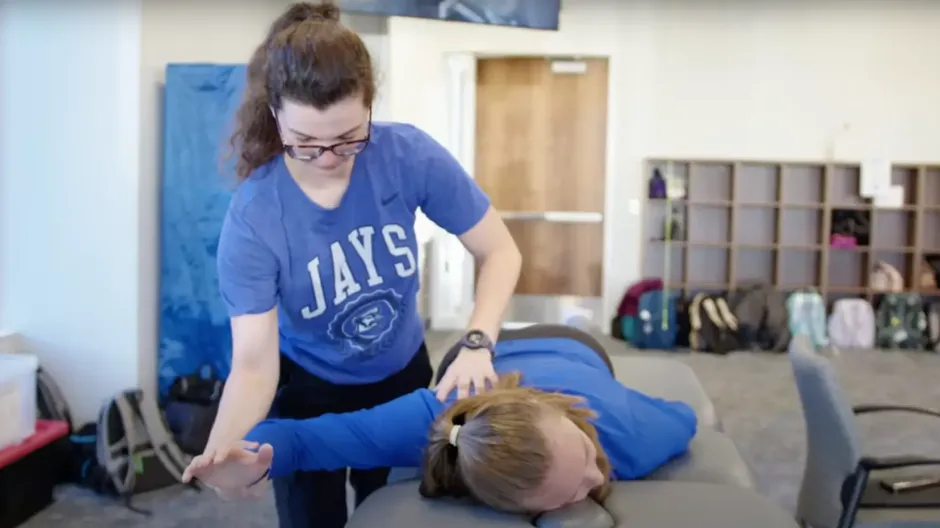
(232, 471)
(471, 373)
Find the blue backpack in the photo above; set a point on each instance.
(806, 311)
(657, 325)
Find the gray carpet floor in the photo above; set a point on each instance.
(754, 393)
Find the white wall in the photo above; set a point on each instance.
(69, 191)
(845, 80)
(10, 343)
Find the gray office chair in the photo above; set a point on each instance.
(839, 483)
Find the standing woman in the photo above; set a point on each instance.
(318, 256)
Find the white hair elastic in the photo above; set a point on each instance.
(454, 431)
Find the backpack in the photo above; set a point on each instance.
(657, 324)
(852, 324)
(806, 313)
(932, 312)
(886, 278)
(717, 326)
(128, 451)
(683, 322)
(761, 311)
(926, 276)
(694, 313)
(901, 322)
(51, 405)
(630, 303)
(50, 402)
(191, 408)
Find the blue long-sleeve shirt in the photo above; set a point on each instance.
(639, 433)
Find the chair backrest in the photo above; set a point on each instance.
(832, 439)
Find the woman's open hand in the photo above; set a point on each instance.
(471, 373)
(232, 471)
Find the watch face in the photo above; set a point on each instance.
(476, 338)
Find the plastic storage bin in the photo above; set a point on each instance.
(29, 472)
(17, 398)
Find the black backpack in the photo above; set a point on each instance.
(900, 322)
(50, 402)
(191, 408)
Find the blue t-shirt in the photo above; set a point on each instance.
(345, 280)
(639, 433)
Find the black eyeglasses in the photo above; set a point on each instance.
(343, 149)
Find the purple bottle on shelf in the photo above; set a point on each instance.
(657, 185)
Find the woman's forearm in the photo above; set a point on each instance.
(496, 283)
(245, 402)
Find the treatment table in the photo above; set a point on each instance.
(711, 485)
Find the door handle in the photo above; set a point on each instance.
(568, 217)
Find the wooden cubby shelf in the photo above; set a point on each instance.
(745, 221)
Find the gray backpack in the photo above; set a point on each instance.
(134, 447)
(761, 311)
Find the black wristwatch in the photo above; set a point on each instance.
(477, 340)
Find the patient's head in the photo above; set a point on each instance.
(516, 449)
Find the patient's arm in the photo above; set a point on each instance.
(392, 434)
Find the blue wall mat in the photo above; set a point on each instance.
(200, 102)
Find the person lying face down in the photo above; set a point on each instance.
(556, 429)
(516, 449)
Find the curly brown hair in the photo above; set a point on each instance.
(503, 454)
(308, 57)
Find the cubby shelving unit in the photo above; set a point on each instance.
(771, 222)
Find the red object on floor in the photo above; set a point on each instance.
(29, 472)
(47, 432)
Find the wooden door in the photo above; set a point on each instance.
(541, 137)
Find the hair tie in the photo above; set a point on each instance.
(454, 431)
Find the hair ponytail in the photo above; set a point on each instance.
(325, 11)
(256, 139)
(441, 473)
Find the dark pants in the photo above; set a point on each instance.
(538, 331)
(317, 499)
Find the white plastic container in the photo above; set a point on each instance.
(17, 398)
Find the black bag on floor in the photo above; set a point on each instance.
(684, 322)
(50, 402)
(191, 407)
(51, 405)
